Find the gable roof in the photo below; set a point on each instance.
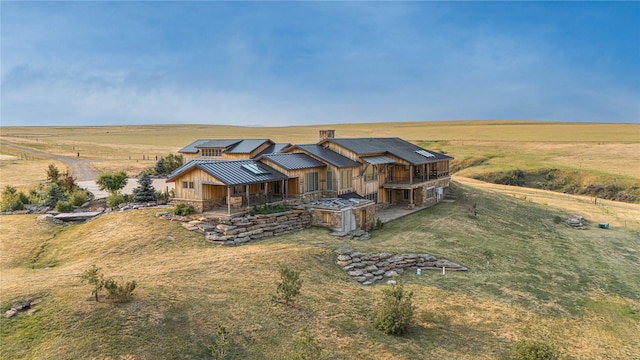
(328, 156)
(231, 173)
(294, 161)
(237, 146)
(247, 146)
(274, 148)
(394, 146)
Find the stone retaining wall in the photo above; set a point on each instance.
(239, 230)
(367, 268)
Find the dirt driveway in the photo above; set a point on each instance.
(79, 167)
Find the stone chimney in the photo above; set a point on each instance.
(327, 134)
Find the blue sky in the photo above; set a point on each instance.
(294, 63)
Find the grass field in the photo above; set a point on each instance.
(578, 154)
(529, 278)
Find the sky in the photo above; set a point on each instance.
(296, 63)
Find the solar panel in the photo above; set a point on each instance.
(425, 153)
(255, 169)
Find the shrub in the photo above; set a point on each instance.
(78, 198)
(94, 277)
(220, 349)
(53, 173)
(306, 346)
(184, 209)
(12, 199)
(64, 206)
(172, 162)
(119, 292)
(11, 204)
(557, 219)
(289, 285)
(533, 350)
(112, 182)
(114, 200)
(379, 224)
(24, 198)
(54, 194)
(394, 313)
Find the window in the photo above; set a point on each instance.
(370, 173)
(405, 194)
(311, 182)
(373, 197)
(431, 193)
(262, 186)
(187, 185)
(345, 179)
(329, 179)
(212, 152)
(238, 189)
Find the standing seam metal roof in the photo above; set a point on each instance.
(294, 161)
(247, 146)
(329, 156)
(231, 173)
(394, 146)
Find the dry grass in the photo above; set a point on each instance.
(529, 279)
(609, 149)
(24, 170)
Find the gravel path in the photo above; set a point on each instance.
(79, 167)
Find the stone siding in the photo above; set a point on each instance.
(367, 268)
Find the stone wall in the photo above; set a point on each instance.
(239, 230)
(368, 268)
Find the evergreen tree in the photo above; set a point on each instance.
(54, 194)
(144, 191)
(160, 168)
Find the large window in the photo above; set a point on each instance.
(311, 182)
(373, 197)
(370, 173)
(345, 179)
(212, 152)
(329, 179)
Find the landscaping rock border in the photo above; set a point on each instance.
(367, 268)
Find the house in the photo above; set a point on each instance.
(241, 173)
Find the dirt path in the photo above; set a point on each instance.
(615, 212)
(79, 167)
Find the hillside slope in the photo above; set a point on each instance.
(529, 278)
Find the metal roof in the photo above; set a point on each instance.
(274, 148)
(294, 161)
(247, 146)
(393, 146)
(238, 146)
(218, 143)
(192, 148)
(328, 156)
(232, 173)
(378, 160)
